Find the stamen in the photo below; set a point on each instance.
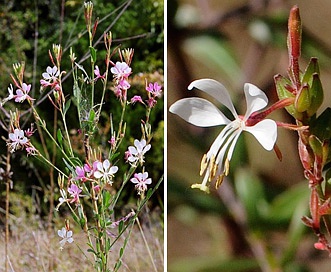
(212, 168)
(219, 180)
(203, 164)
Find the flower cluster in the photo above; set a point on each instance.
(22, 93)
(154, 91)
(200, 112)
(18, 139)
(121, 72)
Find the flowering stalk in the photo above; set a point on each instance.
(89, 183)
(314, 140)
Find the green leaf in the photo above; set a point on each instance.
(321, 127)
(59, 137)
(93, 54)
(91, 116)
(106, 199)
(67, 106)
(120, 226)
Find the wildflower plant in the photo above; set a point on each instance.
(91, 182)
(301, 94)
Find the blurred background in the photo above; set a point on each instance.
(253, 221)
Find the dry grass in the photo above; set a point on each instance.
(32, 248)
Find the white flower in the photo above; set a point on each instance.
(66, 237)
(141, 181)
(137, 152)
(51, 74)
(202, 113)
(17, 139)
(105, 171)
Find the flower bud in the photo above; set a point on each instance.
(314, 208)
(88, 9)
(294, 45)
(294, 33)
(311, 69)
(283, 88)
(302, 101)
(316, 95)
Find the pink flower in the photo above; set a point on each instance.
(154, 89)
(123, 84)
(136, 98)
(121, 70)
(112, 141)
(74, 192)
(29, 132)
(90, 170)
(31, 150)
(141, 180)
(80, 173)
(18, 140)
(151, 102)
(22, 93)
(97, 73)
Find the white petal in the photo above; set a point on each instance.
(216, 90)
(62, 232)
(146, 148)
(265, 132)
(106, 165)
(100, 166)
(98, 174)
(144, 175)
(148, 181)
(199, 112)
(133, 150)
(255, 99)
(113, 170)
(134, 180)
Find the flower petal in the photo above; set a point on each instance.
(106, 165)
(255, 99)
(199, 112)
(265, 132)
(98, 174)
(216, 90)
